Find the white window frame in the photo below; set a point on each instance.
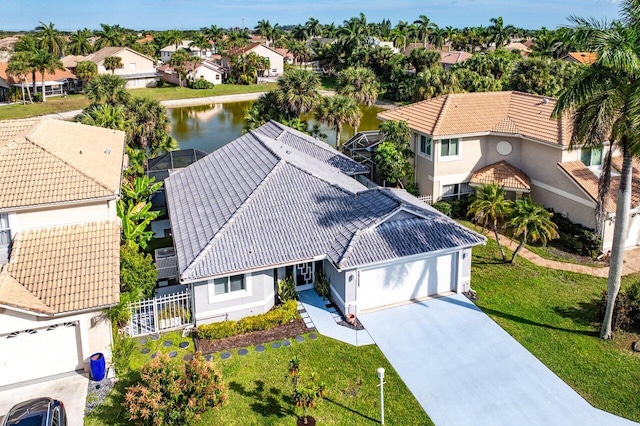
(132, 65)
(5, 228)
(430, 144)
(230, 295)
(449, 157)
(591, 165)
(458, 195)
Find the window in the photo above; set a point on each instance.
(228, 284)
(217, 76)
(456, 191)
(132, 65)
(5, 231)
(273, 70)
(425, 145)
(591, 156)
(449, 147)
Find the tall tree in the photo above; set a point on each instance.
(85, 71)
(498, 32)
(107, 88)
(264, 29)
(215, 34)
(359, 83)
(298, 92)
(338, 110)
(113, 63)
(173, 37)
(424, 27)
(530, 222)
(489, 207)
(109, 35)
(314, 27)
(45, 61)
(79, 42)
(50, 39)
(107, 116)
(422, 59)
(603, 101)
(20, 66)
(200, 42)
(178, 62)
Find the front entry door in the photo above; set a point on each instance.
(304, 276)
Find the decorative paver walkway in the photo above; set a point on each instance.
(631, 260)
(325, 322)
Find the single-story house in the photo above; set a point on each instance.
(57, 83)
(59, 245)
(276, 203)
(206, 70)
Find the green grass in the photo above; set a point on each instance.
(259, 393)
(54, 104)
(553, 314)
(168, 92)
(328, 82)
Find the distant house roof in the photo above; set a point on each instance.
(184, 45)
(503, 174)
(485, 112)
(585, 58)
(98, 56)
(284, 52)
(58, 75)
(248, 48)
(54, 161)
(516, 45)
(258, 202)
(63, 268)
(191, 66)
(455, 57)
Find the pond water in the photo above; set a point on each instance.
(209, 127)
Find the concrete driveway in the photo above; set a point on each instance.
(69, 388)
(466, 370)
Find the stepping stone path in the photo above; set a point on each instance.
(299, 339)
(167, 343)
(286, 342)
(208, 357)
(313, 336)
(275, 345)
(183, 345)
(225, 355)
(173, 354)
(260, 348)
(155, 354)
(188, 357)
(142, 340)
(154, 337)
(145, 350)
(243, 352)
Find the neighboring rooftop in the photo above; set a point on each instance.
(248, 48)
(63, 269)
(585, 58)
(258, 202)
(54, 161)
(485, 112)
(58, 75)
(455, 57)
(98, 56)
(503, 174)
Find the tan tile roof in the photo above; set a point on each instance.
(501, 112)
(64, 268)
(57, 75)
(586, 58)
(99, 56)
(55, 161)
(455, 57)
(248, 48)
(588, 181)
(504, 174)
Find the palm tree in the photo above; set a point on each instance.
(199, 41)
(338, 110)
(79, 43)
(498, 33)
(20, 66)
(179, 61)
(299, 33)
(299, 50)
(29, 45)
(50, 39)
(298, 92)
(107, 116)
(489, 207)
(359, 83)
(214, 34)
(149, 126)
(264, 29)
(422, 59)
(109, 35)
(85, 71)
(603, 101)
(314, 27)
(113, 63)
(45, 61)
(531, 222)
(108, 88)
(424, 27)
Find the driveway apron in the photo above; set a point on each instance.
(466, 370)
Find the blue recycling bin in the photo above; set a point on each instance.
(97, 366)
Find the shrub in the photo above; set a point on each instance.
(459, 208)
(278, 316)
(443, 207)
(123, 348)
(287, 290)
(322, 285)
(174, 393)
(575, 238)
(200, 84)
(633, 296)
(138, 274)
(176, 311)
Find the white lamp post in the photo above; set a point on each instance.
(381, 377)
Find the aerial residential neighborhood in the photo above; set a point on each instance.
(348, 214)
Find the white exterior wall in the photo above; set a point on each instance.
(208, 74)
(276, 61)
(133, 63)
(22, 220)
(94, 328)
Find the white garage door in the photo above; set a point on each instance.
(633, 234)
(36, 353)
(405, 281)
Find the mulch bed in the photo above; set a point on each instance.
(292, 329)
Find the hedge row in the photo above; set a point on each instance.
(220, 330)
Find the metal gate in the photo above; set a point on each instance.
(161, 313)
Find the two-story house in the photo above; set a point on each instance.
(509, 138)
(167, 52)
(59, 245)
(276, 59)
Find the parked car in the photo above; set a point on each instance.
(37, 412)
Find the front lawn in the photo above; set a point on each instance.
(54, 105)
(552, 313)
(259, 394)
(169, 92)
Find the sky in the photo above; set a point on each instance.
(69, 15)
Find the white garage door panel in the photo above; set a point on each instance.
(405, 281)
(46, 352)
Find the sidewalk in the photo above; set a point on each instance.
(631, 260)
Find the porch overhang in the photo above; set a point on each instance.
(503, 174)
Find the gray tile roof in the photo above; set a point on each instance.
(312, 147)
(257, 202)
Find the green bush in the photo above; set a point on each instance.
(183, 313)
(459, 208)
(175, 393)
(443, 207)
(138, 274)
(123, 348)
(287, 290)
(575, 238)
(200, 84)
(278, 316)
(322, 285)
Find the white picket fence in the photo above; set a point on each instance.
(161, 313)
(427, 199)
